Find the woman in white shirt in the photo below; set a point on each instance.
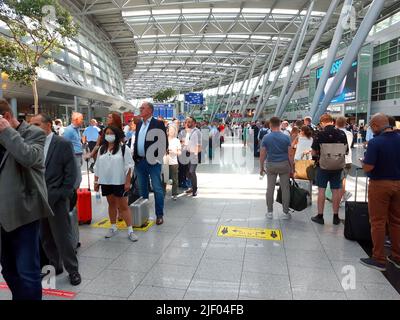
(303, 143)
(112, 172)
(174, 150)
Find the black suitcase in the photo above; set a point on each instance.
(356, 224)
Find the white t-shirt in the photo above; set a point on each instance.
(349, 137)
(303, 144)
(174, 145)
(113, 168)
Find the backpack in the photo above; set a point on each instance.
(332, 156)
(262, 133)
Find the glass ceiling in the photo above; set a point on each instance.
(197, 44)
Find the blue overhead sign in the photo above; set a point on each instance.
(165, 110)
(194, 98)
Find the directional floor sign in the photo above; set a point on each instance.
(250, 233)
(106, 224)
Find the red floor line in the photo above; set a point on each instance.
(48, 292)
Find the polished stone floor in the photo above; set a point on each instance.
(185, 258)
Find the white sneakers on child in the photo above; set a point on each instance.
(111, 233)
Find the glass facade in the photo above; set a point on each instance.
(387, 52)
(83, 60)
(386, 89)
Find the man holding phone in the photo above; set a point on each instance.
(23, 195)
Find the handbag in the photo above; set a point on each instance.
(301, 169)
(298, 196)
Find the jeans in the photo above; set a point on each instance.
(173, 173)
(283, 170)
(192, 176)
(384, 208)
(20, 261)
(79, 161)
(143, 171)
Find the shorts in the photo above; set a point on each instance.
(115, 190)
(346, 170)
(91, 145)
(334, 177)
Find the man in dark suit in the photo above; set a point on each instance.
(151, 144)
(56, 231)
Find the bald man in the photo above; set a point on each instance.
(382, 163)
(72, 133)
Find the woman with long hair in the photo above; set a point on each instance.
(303, 143)
(114, 120)
(113, 174)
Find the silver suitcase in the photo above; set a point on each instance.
(140, 212)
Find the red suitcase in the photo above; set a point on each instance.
(84, 203)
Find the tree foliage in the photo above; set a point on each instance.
(35, 30)
(164, 95)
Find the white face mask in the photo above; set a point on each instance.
(110, 138)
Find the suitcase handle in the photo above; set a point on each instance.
(366, 185)
(88, 174)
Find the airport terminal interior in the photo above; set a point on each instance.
(232, 66)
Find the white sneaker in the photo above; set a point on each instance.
(133, 237)
(111, 233)
(174, 198)
(269, 215)
(286, 216)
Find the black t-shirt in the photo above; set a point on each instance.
(329, 135)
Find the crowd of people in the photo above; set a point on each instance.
(41, 170)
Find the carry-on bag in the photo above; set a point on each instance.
(84, 203)
(356, 224)
(302, 169)
(140, 212)
(298, 196)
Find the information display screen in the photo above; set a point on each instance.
(194, 98)
(347, 90)
(164, 110)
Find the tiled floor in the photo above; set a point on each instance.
(186, 259)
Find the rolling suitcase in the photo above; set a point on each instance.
(356, 224)
(140, 212)
(84, 203)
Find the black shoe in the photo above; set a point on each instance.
(336, 219)
(159, 220)
(194, 194)
(75, 278)
(318, 219)
(371, 263)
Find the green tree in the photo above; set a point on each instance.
(35, 29)
(164, 95)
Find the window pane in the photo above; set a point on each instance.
(72, 45)
(59, 69)
(77, 75)
(74, 59)
(96, 71)
(85, 53)
(87, 66)
(89, 80)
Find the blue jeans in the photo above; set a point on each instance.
(143, 171)
(20, 261)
